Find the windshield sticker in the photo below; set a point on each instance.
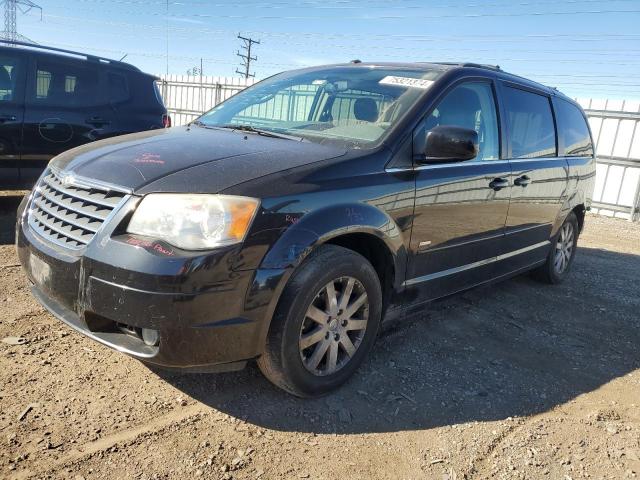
(406, 82)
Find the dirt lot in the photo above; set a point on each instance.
(517, 380)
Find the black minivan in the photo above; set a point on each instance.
(288, 222)
(53, 99)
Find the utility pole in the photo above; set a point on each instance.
(247, 58)
(11, 8)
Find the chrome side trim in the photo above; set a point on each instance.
(469, 266)
(529, 227)
(451, 271)
(467, 242)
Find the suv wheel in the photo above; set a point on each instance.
(325, 324)
(562, 252)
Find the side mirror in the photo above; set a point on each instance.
(448, 143)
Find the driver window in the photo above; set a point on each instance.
(471, 105)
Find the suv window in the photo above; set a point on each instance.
(9, 74)
(471, 105)
(62, 84)
(573, 129)
(531, 128)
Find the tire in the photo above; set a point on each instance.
(345, 331)
(554, 271)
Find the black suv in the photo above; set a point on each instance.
(285, 224)
(52, 100)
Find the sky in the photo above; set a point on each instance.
(586, 48)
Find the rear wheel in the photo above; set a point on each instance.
(325, 324)
(562, 252)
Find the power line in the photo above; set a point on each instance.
(391, 17)
(593, 37)
(247, 58)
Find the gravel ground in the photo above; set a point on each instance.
(515, 380)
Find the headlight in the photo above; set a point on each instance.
(194, 222)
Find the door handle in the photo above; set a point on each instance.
(7, 118)
(97, 121)
(499, 183)
(522, 181)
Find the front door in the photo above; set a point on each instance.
(12, 82)
(66, 106)
(460, 208)
(539, 176)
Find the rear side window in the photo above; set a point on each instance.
(118, 88)
(61, 84)
(531, 128)
(10, 71)
(573, 129)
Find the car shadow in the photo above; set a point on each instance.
(8, 207)
(506, 350)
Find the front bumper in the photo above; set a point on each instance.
(211, 314)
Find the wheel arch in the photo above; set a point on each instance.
(574, 203)
(362, 228)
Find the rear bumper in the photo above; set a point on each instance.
(209, 316)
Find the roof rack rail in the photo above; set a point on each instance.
(471, 64)
(89, 57)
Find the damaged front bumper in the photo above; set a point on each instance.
(210, 314)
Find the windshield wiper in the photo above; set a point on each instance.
(259, 131)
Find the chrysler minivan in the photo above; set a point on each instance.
(287, 223)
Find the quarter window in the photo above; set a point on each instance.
(531, 128)
(9, 72)
(471, 105)
(573, 130)
(61, 84)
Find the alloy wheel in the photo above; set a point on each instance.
(564, 248)
(334, 326)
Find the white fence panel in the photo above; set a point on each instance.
(614, 124)
(186, 97)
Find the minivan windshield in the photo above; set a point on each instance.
(346, 106)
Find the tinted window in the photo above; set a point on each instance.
(118, 90)
(531, 127)
(60, 84)
(9, 73)
(471, 105)
(573, 129)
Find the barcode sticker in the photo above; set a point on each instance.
(406, 82)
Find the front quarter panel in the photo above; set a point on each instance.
(352, 195)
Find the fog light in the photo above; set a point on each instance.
(150, 337)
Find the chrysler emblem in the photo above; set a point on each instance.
(67, 180)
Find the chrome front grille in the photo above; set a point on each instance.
(70, 215)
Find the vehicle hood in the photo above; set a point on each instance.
(224, 158)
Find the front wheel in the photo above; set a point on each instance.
(325, 324)
(562, 253)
